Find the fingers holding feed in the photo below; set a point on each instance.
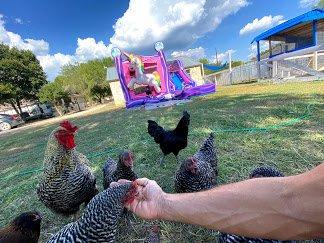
(142, 182)
(114, 184)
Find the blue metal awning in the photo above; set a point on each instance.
(315, 14)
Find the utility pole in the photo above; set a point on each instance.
(230, 65)
(216, 61)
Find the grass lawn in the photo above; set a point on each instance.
(294, 146)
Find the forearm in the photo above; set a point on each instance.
(267, 208)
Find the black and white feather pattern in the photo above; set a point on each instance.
(67, 181)
(205, 176)
(113, 171)
(207, 152)
(99, 221)
(203, 179)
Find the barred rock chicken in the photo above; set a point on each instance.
(198, 172)
(207, 152)
(23, 229)
(153, 235)
(100, 219)
(171, 141)
(67, 181)
(123, 169)
(263, 171)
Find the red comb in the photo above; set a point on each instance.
(69, 126)
(130, 195)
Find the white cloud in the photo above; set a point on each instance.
(90, 49)
(261, 24)
(19, 21)
(195, 53)
(39, 47)
(52, 63)
(87, 49)
(308, 3)
(178, 23)
(223, 56)
(264, 45)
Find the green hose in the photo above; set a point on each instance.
(228, 130)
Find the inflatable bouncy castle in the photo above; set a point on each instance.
(151, 79)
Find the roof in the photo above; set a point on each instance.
(315, 14)
(112, 73)
(186, 61)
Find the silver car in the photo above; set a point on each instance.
(9, 121)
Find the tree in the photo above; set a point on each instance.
(204, 60)
(21, 76)
(54, 93)
(80, 78)
(237, 63)
(320, 4)
(100, 91)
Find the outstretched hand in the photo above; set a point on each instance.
(148, 203)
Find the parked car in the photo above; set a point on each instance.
(42, 111)
(9, 121)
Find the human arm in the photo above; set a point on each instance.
(276, 208)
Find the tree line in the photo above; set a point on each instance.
(23, 79)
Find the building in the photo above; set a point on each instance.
(295, 48)
(193, 68)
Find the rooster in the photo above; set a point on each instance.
(67, 181)
(23, 229)
(171, 141)
(263, 171)
(100, 219)
(123, 169)
(153, 235)
(198, 172)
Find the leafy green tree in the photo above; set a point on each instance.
(203, 60)
(54, 94)
(21, 76)
(82, 77)
(237, 63)
(100, 91)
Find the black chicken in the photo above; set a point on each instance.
(100, 219)
(123, 169)
(171, 141)
(23, 229)
(263, 171)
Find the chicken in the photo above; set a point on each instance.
(23, 229)
(171, 141)
(100, 219)
(153, 235)
(123, 169)
(207, 152)
(198, 172)
(263, 171)
(67, 181)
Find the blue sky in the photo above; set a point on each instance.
(66, 31)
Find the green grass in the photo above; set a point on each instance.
(293, 149)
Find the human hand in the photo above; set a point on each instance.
(148, 203)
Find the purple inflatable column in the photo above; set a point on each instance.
(122, 80)
(165, 71)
